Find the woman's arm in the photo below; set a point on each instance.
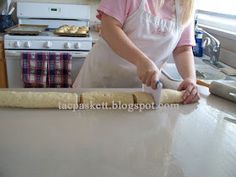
(113, 34)
(184, 61)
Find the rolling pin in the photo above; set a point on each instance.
(220, 89)
(225, 91)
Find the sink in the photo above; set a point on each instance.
(206, 72)
(203, 72)
(216, 65)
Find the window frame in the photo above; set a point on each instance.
(219, 22)
(216, 14)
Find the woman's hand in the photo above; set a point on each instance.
(191, 94)
(148, 72)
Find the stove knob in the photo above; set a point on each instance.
(67, 45)
(17, 44)
(77, 45)
(27, 44)
(48, 44)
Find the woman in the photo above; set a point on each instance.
(137, 37)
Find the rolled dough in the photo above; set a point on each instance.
(143, 98)
(99, 97)
(53, 99)
(167, 96)
(108, 98)
(171, 96)
(36, 99)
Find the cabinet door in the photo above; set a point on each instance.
(3, 78)
(1, 48)
(2, 75)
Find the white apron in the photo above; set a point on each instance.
(155, 36)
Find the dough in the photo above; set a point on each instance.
(100, 97)
(36, 99)
(63, 29)
(82, 31)
(52, 99)
(73, 29)
(84, 28)
(171, 96)
(167, 96)
(143, 98)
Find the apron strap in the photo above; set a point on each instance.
(142, 5)
(177, 14)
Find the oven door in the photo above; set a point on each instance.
(13, 64)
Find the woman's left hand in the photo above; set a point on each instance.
(190, 89)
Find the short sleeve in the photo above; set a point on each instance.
(118, 9)
(187, 36)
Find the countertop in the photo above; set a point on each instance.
(194, 140)
(1, 36)
(95, 36)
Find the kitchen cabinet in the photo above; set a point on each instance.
(3, 78)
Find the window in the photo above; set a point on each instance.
(218, 14)
(227, 7)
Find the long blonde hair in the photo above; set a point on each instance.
(187, 9)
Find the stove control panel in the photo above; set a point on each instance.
(41, 44)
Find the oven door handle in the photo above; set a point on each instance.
(9, 53)
(12, 53)
(79, 54)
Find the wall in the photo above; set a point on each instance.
(93, 4)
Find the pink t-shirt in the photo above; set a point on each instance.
(122, 9)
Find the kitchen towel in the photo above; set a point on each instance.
(46, 69)
(59, 70)
(34, 69)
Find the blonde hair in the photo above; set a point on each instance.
(187, 9)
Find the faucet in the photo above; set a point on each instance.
(213, 46)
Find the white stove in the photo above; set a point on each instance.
(53, 15)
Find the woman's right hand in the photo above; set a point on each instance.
(148, 72)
